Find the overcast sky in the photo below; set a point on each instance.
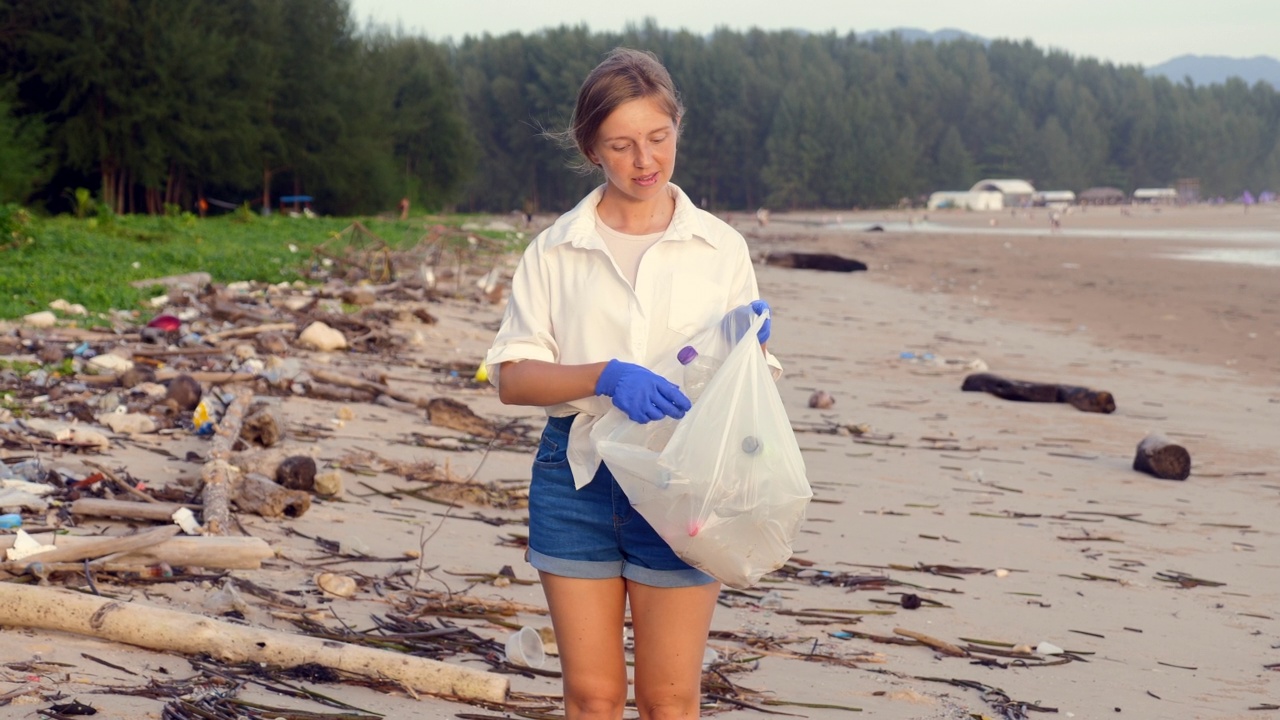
(1146, 32)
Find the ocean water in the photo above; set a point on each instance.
(1268, 257)
(1265, 250)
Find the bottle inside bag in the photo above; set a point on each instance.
(698, 370)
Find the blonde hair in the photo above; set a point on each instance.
(624, 75)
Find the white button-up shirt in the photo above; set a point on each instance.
(570, 304)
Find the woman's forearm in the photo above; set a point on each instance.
(535, 382)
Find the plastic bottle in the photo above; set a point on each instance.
(698, 370)
(771, 601)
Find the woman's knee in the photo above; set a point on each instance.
(668, 705)
(598, 702)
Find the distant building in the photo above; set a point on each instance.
(962, 200)
(1016, 193)
(1103, 196)
(1053, 197)
(1155, 196)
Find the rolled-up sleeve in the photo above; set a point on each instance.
(526, 330)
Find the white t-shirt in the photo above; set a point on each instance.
(626, 249)
(572, 304)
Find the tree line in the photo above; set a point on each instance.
(151, 103)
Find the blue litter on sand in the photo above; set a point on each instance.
(10, 521)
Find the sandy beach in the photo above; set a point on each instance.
(1015, 524)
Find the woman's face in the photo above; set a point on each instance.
(636, 148)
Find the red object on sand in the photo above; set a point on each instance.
(167, 323)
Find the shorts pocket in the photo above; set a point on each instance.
(553, 449)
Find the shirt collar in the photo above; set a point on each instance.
(580, 229)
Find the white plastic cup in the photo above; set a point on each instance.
(524, 648)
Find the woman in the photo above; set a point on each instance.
(617, 286)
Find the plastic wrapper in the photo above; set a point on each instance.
(725, 486)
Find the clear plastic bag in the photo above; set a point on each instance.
(725, 486)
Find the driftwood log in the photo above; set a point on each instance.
(813, 261)
(260, 495)
(941, 646)
(367, 386)
(169, 630)
(225, 484)
(96, 548)
(267, 462)
(210, 377)
(219, 475)
(223, 553)
(1080, 398)
(263, 425)
(449, 413)
(128, 509)
(1157, 456)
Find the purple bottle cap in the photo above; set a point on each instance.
(686, 354)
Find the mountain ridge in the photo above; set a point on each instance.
(1202, 69)
(1216, 69)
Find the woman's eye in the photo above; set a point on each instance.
(618, 148)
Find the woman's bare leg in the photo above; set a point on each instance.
(670, 627)
(588, 618)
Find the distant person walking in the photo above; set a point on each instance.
(403, 207)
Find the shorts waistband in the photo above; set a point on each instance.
(562, 423)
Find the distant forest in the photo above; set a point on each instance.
(153, 103)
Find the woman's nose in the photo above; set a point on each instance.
(643, 154)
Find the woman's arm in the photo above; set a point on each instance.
(535, 382)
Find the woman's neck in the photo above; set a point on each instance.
(634, 217)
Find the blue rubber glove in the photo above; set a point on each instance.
(760, 307)
(641, 393)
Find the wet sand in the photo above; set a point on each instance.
(1113, 276)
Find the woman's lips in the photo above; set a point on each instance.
(647, 180)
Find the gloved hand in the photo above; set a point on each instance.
(760, 306)
(641, 393)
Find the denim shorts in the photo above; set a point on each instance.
(594, 533)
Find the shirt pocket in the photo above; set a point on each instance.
(694, 303)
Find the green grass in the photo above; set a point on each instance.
(93, 261)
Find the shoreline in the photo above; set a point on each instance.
(1111, 288)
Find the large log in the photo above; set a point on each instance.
(1080, 398)
(1158, 456)
(168, 630)
(222, 553)
(813, 261)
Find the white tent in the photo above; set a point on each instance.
(962, 200)
(1155, 195)
(1017, 193)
